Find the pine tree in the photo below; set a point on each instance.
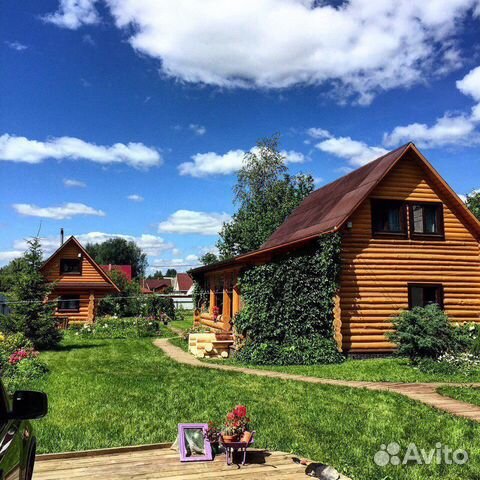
(31, 314)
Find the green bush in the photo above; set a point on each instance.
(302, 351)
(423, 333)
(156, 307)
(111, 327)
(19, 376)
(288, 305)
(467, 337)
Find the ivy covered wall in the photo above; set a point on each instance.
(288, 310)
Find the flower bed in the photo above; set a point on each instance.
(19, 362)
(113, 327)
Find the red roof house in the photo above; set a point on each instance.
(125, 269)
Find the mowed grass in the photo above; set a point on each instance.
(465, 394)
(106, 393)
(183, 319)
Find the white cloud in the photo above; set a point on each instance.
(318, 133)
(211, 163)
(189, 221)
(65, 211)
(8, 256)
(197, 129)
(72, 183)
(362, 46)
(73, 14)
(152, 245)
(357, 153)
(450, 129)
(135, 198)
(22, 149)
(19, 47)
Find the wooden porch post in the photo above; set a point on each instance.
(212, 294)
(226, 298)
(337, 322)
(91, 307)
(236, 295)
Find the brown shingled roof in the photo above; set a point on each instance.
(326, 209)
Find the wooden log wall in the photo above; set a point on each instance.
(375, 272)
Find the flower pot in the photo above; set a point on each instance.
(230, 438)
(246, 436)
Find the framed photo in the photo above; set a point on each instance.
(194, 447)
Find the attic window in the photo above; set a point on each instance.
(71, 266)
(389, 218)
(426, 219)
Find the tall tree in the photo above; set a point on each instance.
(171, 272)
(119, 251)
(8, 273)
(265, 194)
(30, 314)
(473, 203)
(156, 275)
(208, 258)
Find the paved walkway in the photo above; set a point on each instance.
(422, 392)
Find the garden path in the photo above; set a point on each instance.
(422, 392)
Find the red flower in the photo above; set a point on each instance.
(231, 416)
(240, 411)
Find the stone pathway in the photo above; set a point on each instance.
(422, 392)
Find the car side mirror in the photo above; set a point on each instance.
(28, 405)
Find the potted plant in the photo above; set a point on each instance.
(236, 426)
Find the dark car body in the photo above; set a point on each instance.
(17, 439)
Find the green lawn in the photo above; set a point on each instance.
(106, 393)
(184, 319)
(388, 369)
(466, 394)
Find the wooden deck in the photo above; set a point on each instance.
(160, 462)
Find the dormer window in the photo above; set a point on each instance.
(71, 266)
(426, 220)
(388, 218)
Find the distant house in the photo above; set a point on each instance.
(126, 270)
(183, 284)
(407, 240)
(156, 285)
(79, 282)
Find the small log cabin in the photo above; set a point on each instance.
(79, 282)
(407, 240)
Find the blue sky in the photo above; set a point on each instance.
(108, 99)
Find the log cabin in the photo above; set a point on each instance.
(407, 240)
(79, 282)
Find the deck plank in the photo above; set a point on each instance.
(164, 464)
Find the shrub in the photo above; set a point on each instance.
(18, 376)
(423, 333)
(157, 307)
(467, 337)
(302, 351)
(111, 327)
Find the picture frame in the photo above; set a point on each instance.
(194, 446)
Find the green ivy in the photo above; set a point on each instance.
(289, 302)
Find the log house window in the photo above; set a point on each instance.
(426, 220)
(421, 295)
(68, 303)
(389, 218)
(71, 266)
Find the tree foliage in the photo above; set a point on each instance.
(266, 194)
(119, 251)
(208, 258)
(30, 314)
(8, 273)
(157, 275)
(288, 300)
(171, 272)
(473, 203)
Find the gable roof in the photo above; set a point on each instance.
(184, 281)
(155, 283)
(125, 269)
(327, 209)
(73, 240)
